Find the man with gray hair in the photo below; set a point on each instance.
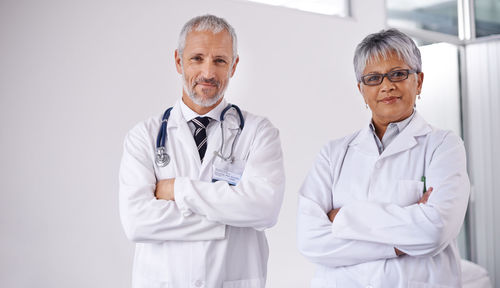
(200, 183)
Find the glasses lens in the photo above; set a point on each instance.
(398, 75)
(372, 79)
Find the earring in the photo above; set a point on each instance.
(366, 105)
(418, 96)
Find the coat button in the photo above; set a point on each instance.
(369, 286)
(198, 283)
(377, 165)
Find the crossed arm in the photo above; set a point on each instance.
(199, 210)
(425, 197)
(340, 236)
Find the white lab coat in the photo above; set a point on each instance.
(378, 195)
(212, 235)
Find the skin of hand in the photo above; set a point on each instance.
(165, 189)
(332, 214)
(422, 200)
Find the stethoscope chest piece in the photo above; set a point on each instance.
(162, 159)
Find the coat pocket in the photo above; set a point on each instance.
(246, 283)
(409, 192)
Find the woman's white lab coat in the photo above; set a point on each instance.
(212, 234)
(378, 196)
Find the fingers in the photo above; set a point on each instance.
(426, 196)
(332, 214)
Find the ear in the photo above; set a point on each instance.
(234, 65)
(420, 81)
(178, 60)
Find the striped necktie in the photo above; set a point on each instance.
(200, 134)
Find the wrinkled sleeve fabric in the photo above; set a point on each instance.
(315, 238)
(419, 229)
(144, 218)
(255, 201)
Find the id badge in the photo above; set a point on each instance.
(228, 172)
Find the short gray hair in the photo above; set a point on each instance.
(383, 43)
(207, 23)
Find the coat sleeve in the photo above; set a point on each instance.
(144, 218)
(314, 230)
(419, 229)
(255, 201)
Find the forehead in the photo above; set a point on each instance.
(206, 41)
(384, 62)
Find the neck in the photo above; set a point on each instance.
(380, 128)
(381, 124)
(200, 110)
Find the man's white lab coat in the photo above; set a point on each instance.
(212, 235)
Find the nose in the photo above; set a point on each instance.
(208, 70)
(387, 85)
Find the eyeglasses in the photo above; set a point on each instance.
(393, 76)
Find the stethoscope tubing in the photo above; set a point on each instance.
(161, 153)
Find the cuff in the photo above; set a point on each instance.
(180, 185)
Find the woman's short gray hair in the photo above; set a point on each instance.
(382, 44)
(207, 23)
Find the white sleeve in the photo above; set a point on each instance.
(144, 218)
(314, 230)
(255, 201)
(419, 229)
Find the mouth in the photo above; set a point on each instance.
(206, 83)
(389, 100)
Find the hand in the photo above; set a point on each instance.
(332, 214)
(425, 197)
(165, 189)
(399, 252)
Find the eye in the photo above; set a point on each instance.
(220, 61)
(398, 73)
(196, 58)
(373, 78)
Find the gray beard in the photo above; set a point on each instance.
(203, 102)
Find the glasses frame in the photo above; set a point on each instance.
(408, 72)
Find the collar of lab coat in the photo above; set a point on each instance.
(179, 117)
(178, 123)
(404, 141)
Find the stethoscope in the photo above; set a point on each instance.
(162, 159)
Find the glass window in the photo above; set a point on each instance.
(487, 20)
(433, 15)
(327, 7)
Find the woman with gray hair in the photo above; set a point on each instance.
(383, 207)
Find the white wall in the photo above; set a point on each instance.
(76, 75)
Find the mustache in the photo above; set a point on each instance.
(211, 81)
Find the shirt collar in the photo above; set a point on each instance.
(189, 114)
(398, 125)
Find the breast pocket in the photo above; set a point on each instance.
(408, 192)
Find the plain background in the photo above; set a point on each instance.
(75, 76)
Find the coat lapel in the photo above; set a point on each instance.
(179, 130)
(365, 143)
(406, 138)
